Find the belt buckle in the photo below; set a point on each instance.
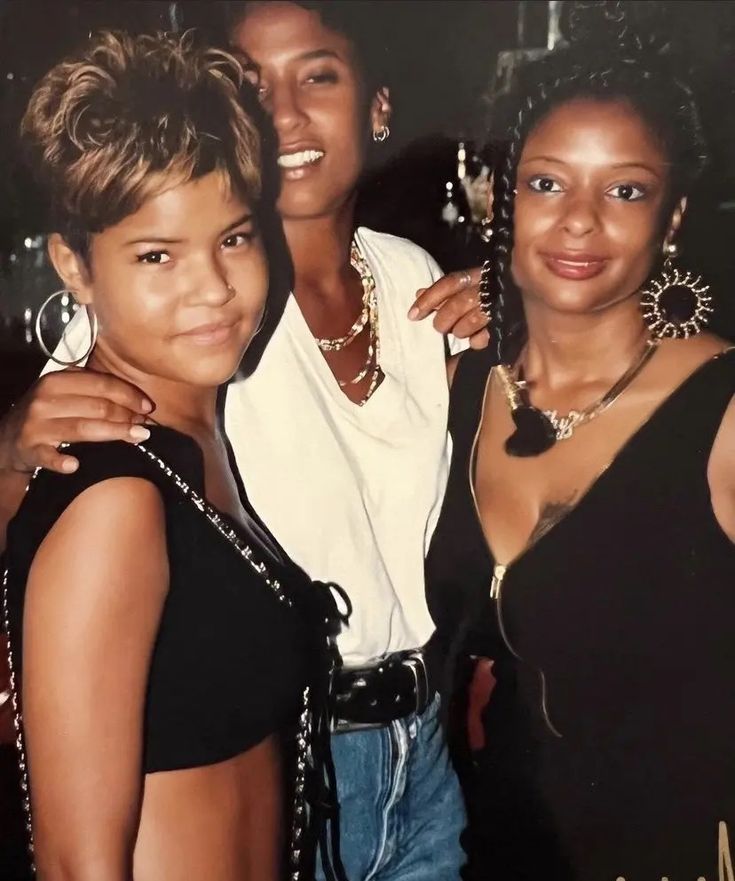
(345, 726)
(415, 661)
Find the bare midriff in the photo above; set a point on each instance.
(219, 822)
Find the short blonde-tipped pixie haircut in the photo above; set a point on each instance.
(130, 116)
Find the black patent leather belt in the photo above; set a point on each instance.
(378, 693)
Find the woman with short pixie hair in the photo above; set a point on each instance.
(161, 641)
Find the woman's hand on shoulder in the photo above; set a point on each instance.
(94, 599)
(455, 300)
(69, 406)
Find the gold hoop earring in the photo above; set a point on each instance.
(675, 305)
(382, 134)
(39, 336)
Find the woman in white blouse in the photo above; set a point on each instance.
(339, 434)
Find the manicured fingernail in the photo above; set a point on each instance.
(139, 433)
(146, 405)
(69, 465)
(413, 313)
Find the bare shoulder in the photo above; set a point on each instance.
(93, 605)
(115, 506)
(113, 533)
(721, 469)
(678, 360)
(689, 354)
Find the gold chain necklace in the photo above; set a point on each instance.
(547, 426)
(336, 344)
(367, 318)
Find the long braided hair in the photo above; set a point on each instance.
(606, 60)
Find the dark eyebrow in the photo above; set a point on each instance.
(246, 218)
(632, 164)
(320, 53)
(158, 240)
(545, 159)
(643, 165)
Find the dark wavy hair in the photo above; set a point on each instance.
(607, 59)
(360, 21)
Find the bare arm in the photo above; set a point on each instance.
(721, 473)
(93, 604)
(71, 406)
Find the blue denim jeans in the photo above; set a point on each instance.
(401, 809)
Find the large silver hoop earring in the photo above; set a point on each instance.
(91, 317)
(675, 304)
(382, 134)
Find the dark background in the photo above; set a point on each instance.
(441, 63)
(442, 72)
(444, 62)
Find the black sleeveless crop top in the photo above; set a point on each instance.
(230, 660)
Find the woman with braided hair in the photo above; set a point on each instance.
(586, 538)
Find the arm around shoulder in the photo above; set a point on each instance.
(93, 605)
(69, 405)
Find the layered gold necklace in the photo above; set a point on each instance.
(367, 319)
(538, 430)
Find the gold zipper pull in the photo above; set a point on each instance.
(495, 584)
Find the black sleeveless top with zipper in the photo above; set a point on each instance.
(232, 657)
(610, 734)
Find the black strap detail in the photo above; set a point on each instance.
(325, 621)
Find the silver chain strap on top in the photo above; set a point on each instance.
(17, 725)
(303, 734)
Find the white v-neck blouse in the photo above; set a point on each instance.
(352, 493)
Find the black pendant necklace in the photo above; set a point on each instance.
(534, 432)
(538, 430)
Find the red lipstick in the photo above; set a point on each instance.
(574, 265)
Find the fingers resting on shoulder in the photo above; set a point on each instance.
(70, 406)
(454, 299)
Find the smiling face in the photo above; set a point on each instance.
(311, 83)
(178, 287)
(592, 181)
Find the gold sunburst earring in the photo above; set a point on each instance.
(675, 304)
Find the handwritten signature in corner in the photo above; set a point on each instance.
(724, 857)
